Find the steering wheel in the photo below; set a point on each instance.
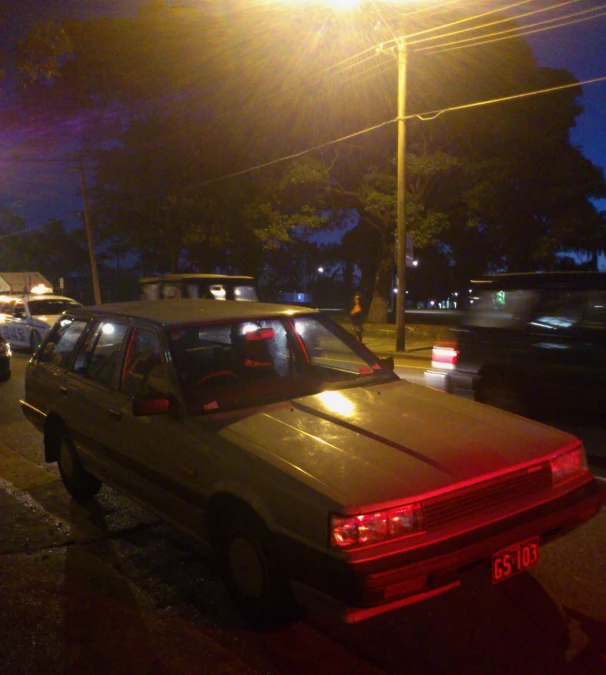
(228, 374)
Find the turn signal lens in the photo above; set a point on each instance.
(568, 465)
(372, 528)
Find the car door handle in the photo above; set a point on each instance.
(63, 390)
(116, 414)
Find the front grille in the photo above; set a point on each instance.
(484, 498)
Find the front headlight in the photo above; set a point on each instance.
(569, 465)
(373, 528)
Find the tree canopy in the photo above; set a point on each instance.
(224, 135)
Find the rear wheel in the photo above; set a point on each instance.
(81, 485)
(252, 572)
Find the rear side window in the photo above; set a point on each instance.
(61, 341)
(246, 293)
(502, 309)
(144, 368)
(100, 358)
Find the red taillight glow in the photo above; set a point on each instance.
(260, 334)
(372, 528)
(444, 355)
(568, 465)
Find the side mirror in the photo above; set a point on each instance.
(387, 363)
(145, 406)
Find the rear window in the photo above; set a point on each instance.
(50, 306)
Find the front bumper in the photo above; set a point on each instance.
(438, 379)
(352, 593)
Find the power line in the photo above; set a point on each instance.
(425, 116)
(517, 33)
(495, 23)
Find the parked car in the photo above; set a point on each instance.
(5, 360)
(534, 344)
(320, 478)
(26, 319)
(199, 286)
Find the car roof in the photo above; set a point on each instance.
(192, 276)
(27, 297)
(169, 312)
(47, 296)
(541, 280)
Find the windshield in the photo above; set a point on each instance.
(51, 306)
(244, 364)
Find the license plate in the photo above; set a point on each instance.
(514, 559)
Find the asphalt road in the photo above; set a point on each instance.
(109, 588)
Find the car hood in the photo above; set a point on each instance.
(380, 444)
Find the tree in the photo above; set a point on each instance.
(203, 105)
(52, 251)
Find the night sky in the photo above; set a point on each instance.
(40, 191)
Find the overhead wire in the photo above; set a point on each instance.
(423, 116)
(491, 23)
(514, 33)
(407, 37)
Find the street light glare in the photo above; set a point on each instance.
(343, 5)
(338, 5)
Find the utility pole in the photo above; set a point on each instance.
(401, 191)
(400, 52)
(89, 233)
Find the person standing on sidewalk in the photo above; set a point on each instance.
(357, 316)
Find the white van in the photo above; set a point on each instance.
(199, 286)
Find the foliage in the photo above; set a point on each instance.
(200, 105)
(50, 251)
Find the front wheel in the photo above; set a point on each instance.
(252, 573)
(81, 485)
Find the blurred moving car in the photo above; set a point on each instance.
(319, 476)
(199, 286)
(5, 360)
(26, 319)
(533, 344)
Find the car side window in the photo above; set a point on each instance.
(100, 358)
(61, 342)
(560, 309)
(144, 368)
(171, 292)
(19, 311)
(8, 309)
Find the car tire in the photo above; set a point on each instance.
(34, 340)
(5, 377)
(505, 395)
(252, 572)
(80, 484)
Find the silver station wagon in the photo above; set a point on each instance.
(321, 478)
